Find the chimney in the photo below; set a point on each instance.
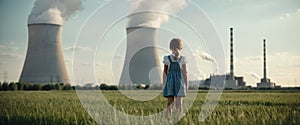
(44, 61)
(231, 53)
(265, 61)
(141, 60)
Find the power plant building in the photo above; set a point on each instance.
(44, 61)
(228, 80)
(265, 82)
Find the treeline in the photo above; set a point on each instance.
(17, 86)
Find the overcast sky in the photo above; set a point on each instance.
(276, 20)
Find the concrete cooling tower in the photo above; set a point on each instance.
(44, 61)
(141, 64)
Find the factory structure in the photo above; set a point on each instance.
(228, 80)
(265, 82)
(44, 61)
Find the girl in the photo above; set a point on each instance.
(175, 77)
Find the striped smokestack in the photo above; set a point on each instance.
(231, 53)
(265, 61)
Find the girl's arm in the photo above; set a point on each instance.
(184, 73)
(164, 74)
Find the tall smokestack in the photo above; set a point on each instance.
(44, 60)
(231, 53)
(265, 61)
(141, 62)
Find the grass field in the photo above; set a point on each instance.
(64, 107)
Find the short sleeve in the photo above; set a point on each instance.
(184, 60)
(166, 60)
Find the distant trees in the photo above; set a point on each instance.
(18, 86)
(48, 87)
(108, 87)
(5, 86)
(12, 86)
(67, 87)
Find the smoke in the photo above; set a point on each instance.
(254, 75)
(204, 56)
(207, 57)
(153, 19)
(53, 11)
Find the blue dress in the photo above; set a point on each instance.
(174, 84)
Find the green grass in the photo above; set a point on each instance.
(64, 107)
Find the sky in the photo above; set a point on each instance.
(277, 21)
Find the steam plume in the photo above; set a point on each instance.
(254, 75)
(206, 56)
(153, 19)
(53, 11)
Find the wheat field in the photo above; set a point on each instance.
(64, 107)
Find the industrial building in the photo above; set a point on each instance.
(228, 80)
(265, 82)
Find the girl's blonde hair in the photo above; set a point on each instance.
(176, 45)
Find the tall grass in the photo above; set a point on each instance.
(63, 107)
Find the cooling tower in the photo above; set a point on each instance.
(44, 61)
(141, 60)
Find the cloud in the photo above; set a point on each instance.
(11, 55)
(77, 48)
(10, 47)
(281, 54)
(254, 58)
(207, 57)
(204, 56)
(119, 57)
(12, 43)
(68, 61)
(287, 14)
(285, 59)
(285, 55)
(14, 48)
(280, 59)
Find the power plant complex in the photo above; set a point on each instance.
(44, 61)
(231, 81)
